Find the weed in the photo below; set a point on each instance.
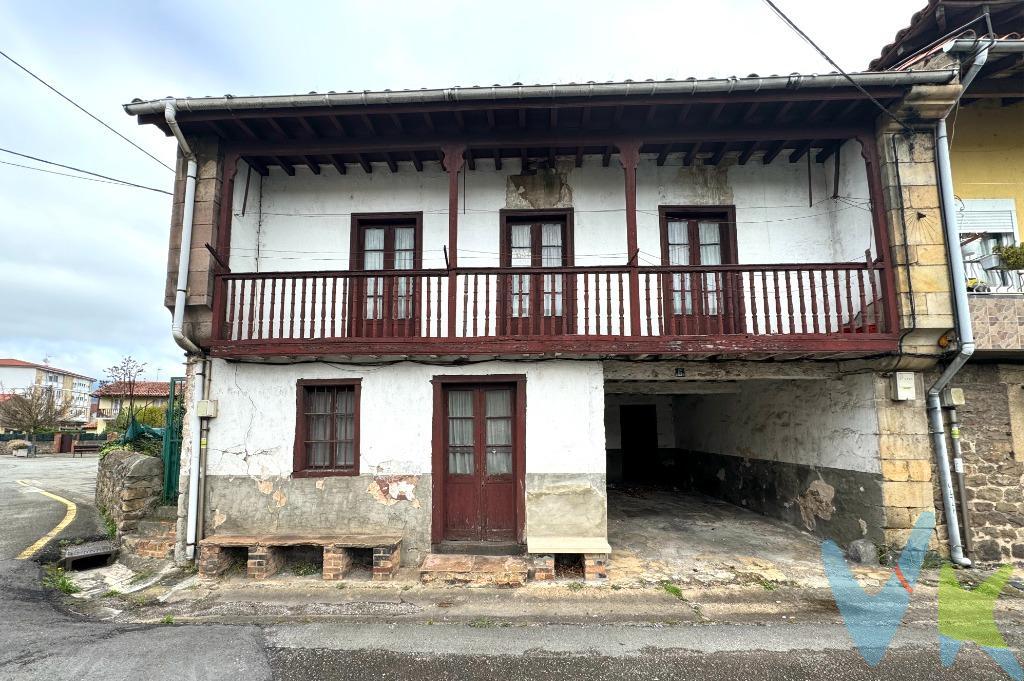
(110, 593)
(340, 585)
(767, 584)
(616, 587)
(190, 568)
(304, 568)
(575, 586)
(406, 587)
(932, 560)
(673, 590)
(482, 623)
(108, 523)
(167, 619)
(56, 578)
(141, 576)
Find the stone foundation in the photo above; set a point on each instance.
(128, 486)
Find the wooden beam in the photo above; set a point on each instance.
(218, 129)
(716, 158)
(272, 122)
(367, 168)
(691, 154)
(665, 151)
(579, 157)
(417, 163)
(392, 165)
(470, 159)
(544, 138)
(397, 122)
(799, 152)
(490, 118)
(460, 122)
(629, 157)
(585, 118)
(748, 115)
(747, 152)
(338, 126)
(607, 157)
(652, 111)
(497, 159)
(524, 161)
(553, 118)
(522, 118)
(285, 165)
(452, 162)
(772, 152)
(716, 113)
(257, 166)
(827, 152)
(338, 164)
(307, 127)
(783, 111)
(428, 120)
(684, 111)
(312, 165)
(246, 129)
(816, 111)
(368, 123)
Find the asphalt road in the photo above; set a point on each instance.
(41, 639)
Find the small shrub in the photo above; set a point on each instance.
(673, 590)
(1013, 256)
(108, 523)
(167, 619)
(575, 586)
(56, 578)
(110, 593)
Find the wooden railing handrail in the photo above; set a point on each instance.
(574, 269)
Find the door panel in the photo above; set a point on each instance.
(536, 303)
(479, 476)
(386, 306)
(699, 304)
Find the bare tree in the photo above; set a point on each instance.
(125, 374)
(35, 410)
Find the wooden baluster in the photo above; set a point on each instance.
(720, 309)
(334, 306)
(753, 302)
(302, 310)
(647, 303)
(814, 301)
(778, 302)
(608, 301)
(270, 311)
(685, 294)
(231, 310)
(803, 304)
(863, 301)
(284, 284)
(825, 305)
(476, 305)
(440, 306)
(849, 301)
(875, 319)
(661, 303)
(789, 300)
(323, 307)
(487, 304)
(252, 309)
(465, 308)
(597, 303)
(622, 303)
(837, 291)
(260, 314)
(725, 300)
(766, 309)
(586, 304)
(344, 312)
(430, 304)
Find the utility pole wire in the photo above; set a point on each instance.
(79, 170)
(83, 110)
(837, 67)
(54, 172)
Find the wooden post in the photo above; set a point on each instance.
(227, 195)
(453, 163)
(873, 167)
(629, 157)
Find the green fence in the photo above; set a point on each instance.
(172, 438)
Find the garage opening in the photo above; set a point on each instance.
(754, 468)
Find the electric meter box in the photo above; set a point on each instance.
(904, 386)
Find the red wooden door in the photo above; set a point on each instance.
(386, 305)
(699, 303)
(479, 466)
(535, 304)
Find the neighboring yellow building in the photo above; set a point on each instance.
(113, 397)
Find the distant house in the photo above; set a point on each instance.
(114, 396)
(19, 376)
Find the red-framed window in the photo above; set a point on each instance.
(327, 428)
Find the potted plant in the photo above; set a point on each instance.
(1004, 258)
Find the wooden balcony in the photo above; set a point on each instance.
(791, 310)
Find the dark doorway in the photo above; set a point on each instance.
(638, 427)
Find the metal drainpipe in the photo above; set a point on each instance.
(961, 485)
(964, 328)
(178, 324)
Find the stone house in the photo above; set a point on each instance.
(987, 159)
(464, 315)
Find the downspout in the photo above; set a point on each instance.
(178, 325)
(964, 328)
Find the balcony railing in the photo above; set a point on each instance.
(814, 306)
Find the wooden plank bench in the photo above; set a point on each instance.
(266, 553)
(79, 448)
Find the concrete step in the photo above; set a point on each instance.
(470, 570)
(165, 513)
(156, 529)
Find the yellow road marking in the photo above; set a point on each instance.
(69, 517)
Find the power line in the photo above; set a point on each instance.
(87, 172)
(837, 67)
(83, 110)
(54, 172)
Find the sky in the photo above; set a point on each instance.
(83, 264)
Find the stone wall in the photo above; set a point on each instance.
(128, 486)
(992, 437)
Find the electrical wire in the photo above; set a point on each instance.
(54, 172)
(83, 110)
(881, 107)
(87, 172)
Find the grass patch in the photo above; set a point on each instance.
(482, 623)
(575, 586)
(110, 593)
(673, 590)
(767, 584)
(167, 619)
(141, 576)
(56, 578)
(304, 568)
(108, 523)
(616, 587)
(340, 585)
